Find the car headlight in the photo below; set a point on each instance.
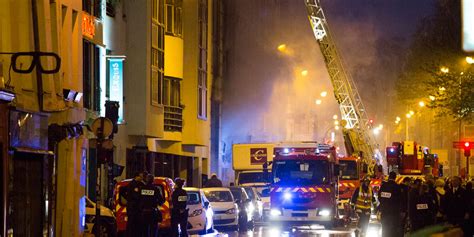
(196, 213)
(251, 207)
(275, 212)
(324, 212)
(231, 211)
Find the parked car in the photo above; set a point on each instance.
(257, 214)
(245, 206)
(265, 196)
(166, 187)
(107, 225)
(226, 212)
(200, 212)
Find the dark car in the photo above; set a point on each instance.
(244, 204)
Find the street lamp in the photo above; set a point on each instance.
(444, 69)
(421, 104)
(334, 117)
(432, 98)
(469, 60)
(282, 47)
(324, 94)
(318, 102)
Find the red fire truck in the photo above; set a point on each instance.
(408, 158)
(304, 184)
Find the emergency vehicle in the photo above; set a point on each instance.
(304, 184)
(165, 185)
(408, 159)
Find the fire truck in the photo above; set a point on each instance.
(408, 158)
(304, 184)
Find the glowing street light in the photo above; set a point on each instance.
(432, 98)
(318, 102)
(398, 118)
(408, 115)
(282, 47)
(336, 127)
(397, 122)
(469, 60)
(324, 94)
(442, 88)
(376, 131)
(334, 117)
(444, 69)
(336, 122)
(411, 112)
(421, 104)
(380, 127)
(304, 73)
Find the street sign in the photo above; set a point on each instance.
(102, 127)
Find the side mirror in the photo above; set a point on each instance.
(237, 200)
(206, 204)
(337, 170)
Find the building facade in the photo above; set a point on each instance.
(43, 146)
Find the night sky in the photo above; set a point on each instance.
(265, 97)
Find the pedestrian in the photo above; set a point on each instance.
(179, 212)
(422, 208)
(405, 189)
(391, 209)
(150, 199)
(456, 201)
(214, 181)
(469, 226)
(441, 200)
(363, 199)
(133, 205)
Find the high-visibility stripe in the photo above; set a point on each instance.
(295, 190)
(304, 190)
(287, 189)
(312, 190)
(279, 190)
(328, 189)
(352, 185)
(320, 190)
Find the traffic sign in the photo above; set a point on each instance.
(102, 127)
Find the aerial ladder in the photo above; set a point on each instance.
(355, 123)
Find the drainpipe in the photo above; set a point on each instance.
(39, 79)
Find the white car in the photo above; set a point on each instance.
(223, 204)
(107, 225)
(200, 218)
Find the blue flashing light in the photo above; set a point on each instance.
(287, 196)
(286, 150)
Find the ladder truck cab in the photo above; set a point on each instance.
(350, 170)
(407, 158)
(304, 184)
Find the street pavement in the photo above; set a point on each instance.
(264, 230)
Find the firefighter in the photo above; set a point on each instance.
(133, 205)
(150, 199)
(391, 208)
(179, 212)
(363, 199)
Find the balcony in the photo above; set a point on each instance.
(173, 118)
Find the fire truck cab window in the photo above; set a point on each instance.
(348, 169)
(300, 172)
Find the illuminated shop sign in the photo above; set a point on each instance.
(116, 84)
(88, 25)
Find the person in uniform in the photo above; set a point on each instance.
(179, 212)
(363, 199)
(422, 208)
(391, 209)
(214, 181)
(150, 199)
(133, 205)
(456, 202)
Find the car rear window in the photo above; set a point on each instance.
(219, 196)
(193, 198)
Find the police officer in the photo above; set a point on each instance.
(133, 205)
(179, 212)
(422, 208)
(392, 211)
(363, 199)
(150, 199)
(214, 181)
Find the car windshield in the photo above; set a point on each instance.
(237, 193)
(193, 198)
(253, 177)
(348, 169)
(303, 172)
(249, 192)
(219, 196)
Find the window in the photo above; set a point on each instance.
(91, 76)
(157, 52)
(93, 7)
(202, 67)
(174, 11)
(171, 91)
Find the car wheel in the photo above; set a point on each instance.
(103, 230)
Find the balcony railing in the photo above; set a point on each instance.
(173, 118)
